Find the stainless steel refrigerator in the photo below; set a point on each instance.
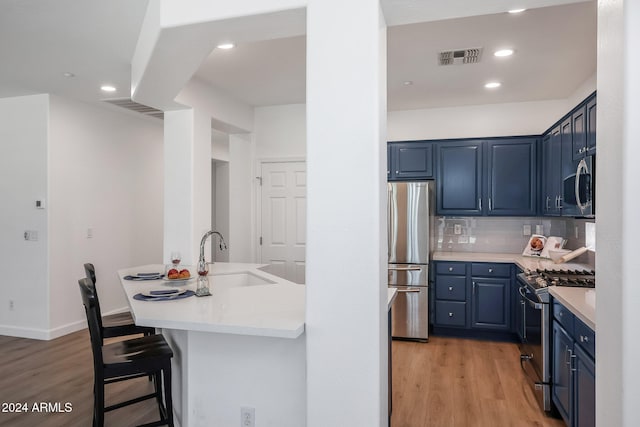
(409, 217)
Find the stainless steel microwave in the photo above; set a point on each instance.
(579, 190)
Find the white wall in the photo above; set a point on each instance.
(24, 123)
(617, 376)
(280, 131)
(242, 182)
(95, 168)
(105, 174)
(522, 118)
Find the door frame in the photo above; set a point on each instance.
(258, 200)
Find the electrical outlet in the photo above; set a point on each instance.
(457, 229)
(89, 233)
(539, 229)
(247, 416)
(31, 235)
(11, 305)
(526, 230)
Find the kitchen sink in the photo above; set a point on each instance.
(239, 279)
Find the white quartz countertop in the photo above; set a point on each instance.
(523, 262)
(575, 299)
(274, 309)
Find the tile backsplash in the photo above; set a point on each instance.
(505, 234)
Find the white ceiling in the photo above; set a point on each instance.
(555, 53)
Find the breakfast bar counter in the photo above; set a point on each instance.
(244, 301)
(243, 346)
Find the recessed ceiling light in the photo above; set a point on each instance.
(493, 85)
(68, 75)
(503, 52)
(407, 83)
(107, 88)
(517, 10)
(226, 46)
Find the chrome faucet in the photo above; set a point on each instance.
(223, 246)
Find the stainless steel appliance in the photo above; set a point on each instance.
(408, 227)
(578, 192)
(533, 324)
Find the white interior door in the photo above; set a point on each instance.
(284, 218)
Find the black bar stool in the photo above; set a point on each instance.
(116, 325)
(125, 360)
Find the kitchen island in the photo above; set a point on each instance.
(243, 346)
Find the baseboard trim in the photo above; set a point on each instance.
(50, 334)
(20, 332)
(67, 329)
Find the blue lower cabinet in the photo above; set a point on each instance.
(561, 372)
(473, 297)
(491, 303)
(584, 389)
(573, 369)
(451, 313)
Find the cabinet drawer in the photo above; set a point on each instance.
(449, 313)
(563, 316)
(451, 288)
(585, 337)
(455, 268)
(490, 270)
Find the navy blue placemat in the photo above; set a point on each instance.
(141, 297)
(144, 276)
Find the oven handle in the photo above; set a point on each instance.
(534, 304)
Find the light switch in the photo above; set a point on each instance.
(39, 204)
(457, 229)
(526, 230)
(539, 229)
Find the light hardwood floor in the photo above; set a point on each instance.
(462, 382)
(61, 370)
(446, 382)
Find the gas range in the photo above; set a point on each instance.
(539, 280)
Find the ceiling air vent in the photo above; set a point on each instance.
(138, 108)
(461, 56)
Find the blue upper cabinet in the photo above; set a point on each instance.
(495, 177)
(412, 160)
(579, 141)
(584, 129)
(511, 177)
(459, 178)
(591, 125)
(551, 192)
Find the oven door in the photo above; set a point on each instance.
(534, 335)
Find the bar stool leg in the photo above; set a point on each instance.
(167, 392)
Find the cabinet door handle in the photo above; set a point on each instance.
(548, 198)
(450, 268)
(490, 204)
(491, 270)
(479, 204)
(450, 288)
(572, 364)
(450, 314)
(584, 338)
(559, 202)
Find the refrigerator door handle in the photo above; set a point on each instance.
(407, 291)
(412, 268)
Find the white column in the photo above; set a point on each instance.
(187, 183)
(346, 319)
(618, 204)
(242, 183)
